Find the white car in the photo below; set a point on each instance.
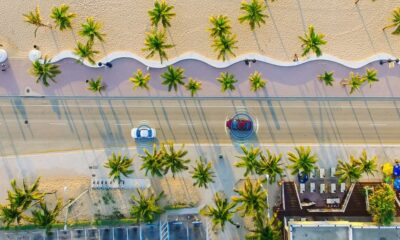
(143, 132)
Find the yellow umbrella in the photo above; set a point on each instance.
(387, 169)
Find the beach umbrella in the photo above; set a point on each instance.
(302, 177)
(396, 184)
(396, 170)
(387, 169)
(34, 55)
(3, 55)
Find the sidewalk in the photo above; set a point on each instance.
(88, 162)
(294, 81)
(77, 163)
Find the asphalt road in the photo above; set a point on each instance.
(58, 125)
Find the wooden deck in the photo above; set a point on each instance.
(356, 206)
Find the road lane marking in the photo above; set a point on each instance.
(122, 124)
(377, 124)
(58, 123)
(188, 124)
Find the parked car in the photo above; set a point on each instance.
(143, 132)
(239, 124)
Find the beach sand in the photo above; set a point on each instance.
(353, 32)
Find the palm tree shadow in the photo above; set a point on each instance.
(55, 40)
(257, 42)
(365, 27)
(388, 42)
(173, 42)
(73, 35)
(103, 48)
(302, 16)
(276, 29)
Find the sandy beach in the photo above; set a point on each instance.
(353, 32)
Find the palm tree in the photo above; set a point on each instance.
(303, 160)
(91, 29)
(19, 200)
(155, 42)
(368, 166)
(265, 228)
(193, 86)
(34, 18)
(119, 166)
(96, 85)
(312, 42)
(227, 81)
(85, 52)
(146, 206)
(162, 12)
(346, 171)
(173, 160)
(256, 81)
(220, 26)
(11, 214)
(45, 217)
(152, 162)
(202, 174)
(252, 197)
(140, 80)
(222, 213)
(249, 160)
(225, 45)
(270, 165)
(173, 77)
(254, 13)
(26, 196)
(45, 71)
(327, 78)
(62, 18)
(395, 22)
(354, 81)
(370, 76)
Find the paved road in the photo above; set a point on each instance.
(56, 125)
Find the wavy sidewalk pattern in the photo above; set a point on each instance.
(285, 79)
(220, 64)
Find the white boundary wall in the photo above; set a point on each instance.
(220, 64)
(339, 224)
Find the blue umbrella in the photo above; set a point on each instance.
(396, 184)
(396, 170)
(303, 178)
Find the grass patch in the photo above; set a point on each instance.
(179, 205)
(80, 224)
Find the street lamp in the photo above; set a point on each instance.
(267, 177)
(66, 209)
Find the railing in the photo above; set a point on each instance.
(367, 198)
(283, 196)
(297, 194)
(397, 200)
(344, 206)
(347, 199)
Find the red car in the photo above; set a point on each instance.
(239, 124)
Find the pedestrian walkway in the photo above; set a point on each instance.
(293, 81)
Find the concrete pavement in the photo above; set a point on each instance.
(295, 81)
(59, 125)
